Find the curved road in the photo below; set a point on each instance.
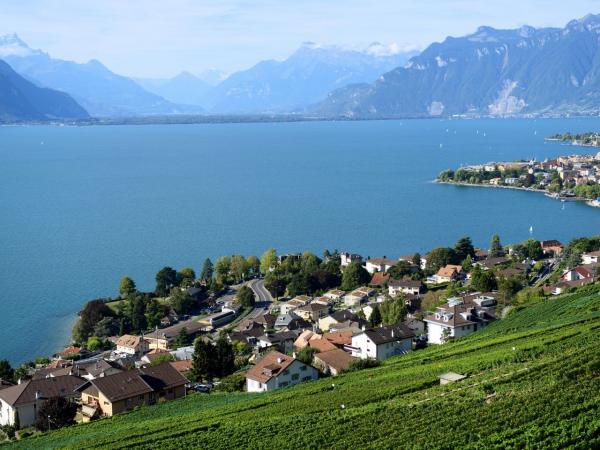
(263, 298)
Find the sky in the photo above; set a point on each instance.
(160, 38)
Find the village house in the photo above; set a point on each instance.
(590, 257)
(581, 272)
(379, 265)
(96, 369)
(124, 391)
(164, 338)
(276, 370)
(404, 286)
(290, 321)
(294, 303)
(358, 296)
(447, 274)
(409, 259)
(132, 345)
(312, 311)
(382, 343)
(334, 294)
(25, 399)
(336, 318)
(282, 341)
(456, 320)
(333, 362)
(552, 247)
(347, 258)
(379, 279)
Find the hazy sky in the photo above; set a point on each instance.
(162, 37)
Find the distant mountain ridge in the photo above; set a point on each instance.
(100, 91)
(21, 100)
(490, 72)
(307, 76)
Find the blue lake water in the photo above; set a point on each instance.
(81, 207)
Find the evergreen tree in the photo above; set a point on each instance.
(203, 360)
(182, 338)
(126, 287)
(6, 371)
(166, 278)
(138, 316)
(245, 297)
(225, 357)
(416, 259)
(56, 412)
(495, 247)
(375, 319)
(463, 248)
(207, 270)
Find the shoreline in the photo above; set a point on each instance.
(587, 201)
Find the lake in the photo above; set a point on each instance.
(82, 206)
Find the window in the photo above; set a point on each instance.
(105, 402)
(286, 371)
(295, 376)
(141, 397)
(303, 368)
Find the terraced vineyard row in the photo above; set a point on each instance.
(534, 381)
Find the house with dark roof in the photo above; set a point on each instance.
(449, 322)
(333, 362)
(404, 286)
(25, 399)
(276, 370)
(336, 318)
(382, 343)
(124, 391)
(282, 340)
(312, 311)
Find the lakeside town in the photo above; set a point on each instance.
(565, 178)
(260, 324)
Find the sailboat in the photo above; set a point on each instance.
(531, 229)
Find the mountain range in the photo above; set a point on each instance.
(490, 72)
(21, 100)
(100, 91)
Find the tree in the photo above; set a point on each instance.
(186, 277)
(375, 319)
(440, 257)
(533, 249)
(138, 313)
(108, 326)
(225, 357)
(508, 288)
(154, 313)
(467, 263)
(309, 263)
(299, 284)
(203, 360)
(182, 338)
(268, 261)
(7, 373)
(323, 280)
(483, 280)
(275, 284)
(126, 287)
(253, 264)
(166, 279)
(463, 248)
(573, 259)
(393, 311)
(239, 268)
(245, 297)
(416, 259)
(401, 269)
(207, 270)
(93, 343)
(222, 268)
(162, 358)
(93, 312)
(181, 301)
(495, 247)
(56, 412)
(354, 275)
(306, 355)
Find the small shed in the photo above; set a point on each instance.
(451, 377)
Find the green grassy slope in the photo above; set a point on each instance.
(534, 382)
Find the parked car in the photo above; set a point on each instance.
(205, 389)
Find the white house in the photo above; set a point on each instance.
(334, 294)
(590, 258)
(379, 265)
(294, 303)
(455, 321)
(383, 342)
(276, 370)
(448, 273)
(25, 399)
(132, 345)
(404, 286)
(347, 258)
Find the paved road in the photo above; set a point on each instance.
(263, 298)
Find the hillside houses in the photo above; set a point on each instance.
(456, 319)
(383, 342)
(276, 370)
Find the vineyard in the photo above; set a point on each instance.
(533, 382)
